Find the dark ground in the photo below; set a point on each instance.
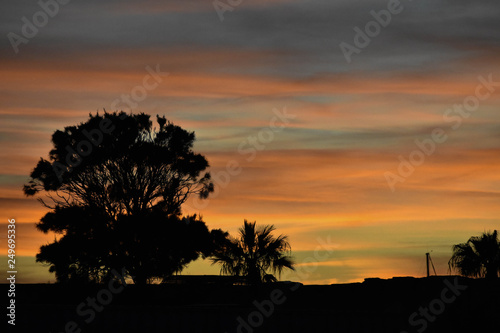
(459, 305)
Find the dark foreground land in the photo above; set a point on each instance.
(436, 304)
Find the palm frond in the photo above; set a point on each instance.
(479, 257)
(254, 252)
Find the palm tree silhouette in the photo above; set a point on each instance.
(478, 257)
(254, 253)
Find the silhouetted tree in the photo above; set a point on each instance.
(254, 253)
(478, 257)
(164, 247)
(116, 186)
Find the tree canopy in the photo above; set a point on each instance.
(115, 186)
(122, 164)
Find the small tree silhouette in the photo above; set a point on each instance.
(254, 253)
(478, 257)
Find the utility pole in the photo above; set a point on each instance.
(428, 258)
(427, 262)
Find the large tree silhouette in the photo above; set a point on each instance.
(115, 185)
(255, 252)
(478, 257)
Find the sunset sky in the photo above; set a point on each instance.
(322, 179)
